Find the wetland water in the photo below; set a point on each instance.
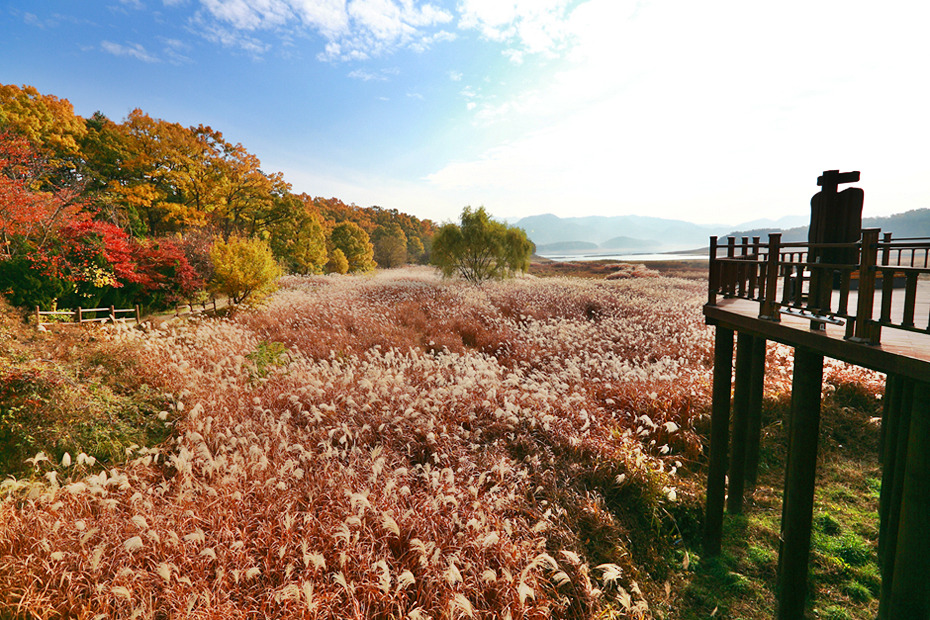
(629, 258)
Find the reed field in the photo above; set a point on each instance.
(393, 446)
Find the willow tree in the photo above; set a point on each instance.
(480, 248)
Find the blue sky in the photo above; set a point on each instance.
(713, 112)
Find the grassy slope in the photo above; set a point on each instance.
(70, 392)
(844, 574)
(78, 393)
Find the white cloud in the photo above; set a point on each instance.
(455, 76)
(366, 76)
(424, 43)
(353, 29)
(174, 51)
(245, 15)
(133, 50)
(226, 37)
(527, 26)
(329, 17)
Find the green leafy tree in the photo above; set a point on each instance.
(480, 248)
(355, 245)
(390, 245)
(415, 250)
(244, 269)
(298, 239)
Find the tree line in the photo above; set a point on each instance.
(94, 211)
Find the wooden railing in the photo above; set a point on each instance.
(88, 315)
(818, 281)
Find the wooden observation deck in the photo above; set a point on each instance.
(853, 294)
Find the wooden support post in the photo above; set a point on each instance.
(38, 317)
(896, 416)
(112, 314)
(719, 440)
(798, 504)
(908, 595)
(740, 423)
(80, 315)
(768, 310)
(138, 315)
(754, 427)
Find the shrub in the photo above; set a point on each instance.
(25, 286)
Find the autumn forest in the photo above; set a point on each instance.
(95, 211)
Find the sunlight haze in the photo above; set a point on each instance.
(718, 112)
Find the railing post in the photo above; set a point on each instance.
(38, 317)
(80, 315)
(887, 279)
(138, 315)
(730, 268)
(867, 262)
(112, 315)
(910, 298)
(768, 308)
(741, 273)
(754, 284)
(713, 275)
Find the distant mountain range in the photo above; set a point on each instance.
(631, 234)
(627, 233)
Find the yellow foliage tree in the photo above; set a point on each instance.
(337, 262)
(355, 245)
(45, 120)
(244, 269)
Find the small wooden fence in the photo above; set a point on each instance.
(800, 279)
(89, 315)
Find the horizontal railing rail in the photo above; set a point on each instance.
(818, 281)
(88, 315)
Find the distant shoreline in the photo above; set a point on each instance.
(688, 255)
